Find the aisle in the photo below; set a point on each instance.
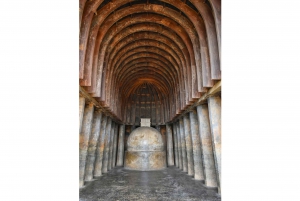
(169, 184)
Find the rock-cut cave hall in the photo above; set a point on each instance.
(150, 100)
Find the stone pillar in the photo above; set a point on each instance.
(214, 109)
(188, 144)
(106, 146)
(198, 166)
(100, 148)
(81, 110)
(175, 145)
(120, 160)
(183, 146)
(115, 146)
(179, 146)
(92, 145)
(111, 146)
(207, 149)
(170, 154)
(84, 140)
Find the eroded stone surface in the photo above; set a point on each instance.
(145, 160)
(121, 145)
(145, 150)
(207, 148)
(145, 139)
(165, 185)
(214, 109)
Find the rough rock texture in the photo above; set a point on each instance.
(175, 145)
(145, 160)
(214, 109)
(145, 139)
(207, 148)
(197, 154)
(81, 110)
(183, 146)
(106, 146)
(170, 153)
(170, 184)
(145, 150)
(179, 146)
(111, 146)
(114, 158)
(84, 140)
(189, 145)
(121, 145)
(100, 148)
(90, 161)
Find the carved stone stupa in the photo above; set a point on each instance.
(145, 150)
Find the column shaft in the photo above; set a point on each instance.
(175, 145)
(115, 145)
(84, 139)
(183, 146)
(100, 148)
(106, 146)
(207, 149)
(170, 154)
(198, 166)
(188, 144)
(81, 110)
(214, 109)
(111, 146)
(120, 160)
(179, 146)
(92, 145)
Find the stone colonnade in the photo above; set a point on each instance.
(101, 142)
(197, 142)
(193, 142)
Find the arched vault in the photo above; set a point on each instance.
(148, 58)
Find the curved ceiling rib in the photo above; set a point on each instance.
(110, 39)
(149, 58)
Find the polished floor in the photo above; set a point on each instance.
(125, 185)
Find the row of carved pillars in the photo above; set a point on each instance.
(194, 143)
(101, 142)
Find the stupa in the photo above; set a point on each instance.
(145, 150)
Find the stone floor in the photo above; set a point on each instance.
(169, 184)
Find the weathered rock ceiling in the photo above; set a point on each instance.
(145, 58)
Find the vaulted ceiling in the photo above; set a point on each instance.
(149, 58)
